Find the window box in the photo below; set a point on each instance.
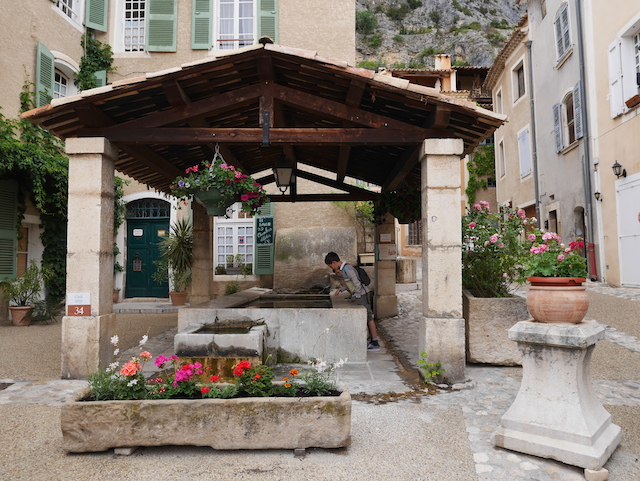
(633, 101)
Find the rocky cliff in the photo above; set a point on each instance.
(408, 33)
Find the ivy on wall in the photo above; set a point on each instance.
(97, 57)
(480, 167)
(35, 159)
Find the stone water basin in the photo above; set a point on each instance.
(227, 338)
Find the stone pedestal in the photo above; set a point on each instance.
(405, 271)
(556, 414)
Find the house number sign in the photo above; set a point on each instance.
(79, 304)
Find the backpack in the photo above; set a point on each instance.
(362, 275)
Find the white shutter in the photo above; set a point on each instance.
(577, 111)
(557, 126)
(524, 150)
(615, 79)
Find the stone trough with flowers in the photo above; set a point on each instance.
(122, 409)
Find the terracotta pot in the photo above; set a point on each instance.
(178, 298)
(557, 299)
(21, 315)
(116, 296)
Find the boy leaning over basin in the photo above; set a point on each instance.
(358, 291)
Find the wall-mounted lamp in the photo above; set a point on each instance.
(597, 196)
(618, 170)
(283, 172)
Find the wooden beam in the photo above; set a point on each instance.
(322, 197)
(353, 99)
(352, 189)
(402, 168)
(311, 136)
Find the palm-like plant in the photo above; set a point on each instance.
(176, 256)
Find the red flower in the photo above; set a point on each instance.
(237, 372)
(256, 377)
(214, 378)
(244, 364)
(204, 390)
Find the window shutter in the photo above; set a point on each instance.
(45, 65)
(8, 233)
(162, 17)
(101, 78)
(564, 15)
(577, 111)
(615, 79)
(264, 254)
(557, 126)
(202, 24)
(524, 150)
(268, 19)
(96, 13)
(559, 43)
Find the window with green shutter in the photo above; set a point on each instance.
(8, 234)
(268, 19)
(101, 78)
(96, 12)
(162, 22)
(44, 75)
(202, 24)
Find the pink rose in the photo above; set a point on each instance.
(494, 238)
(560, 257)
(472, 225)
(532, 237)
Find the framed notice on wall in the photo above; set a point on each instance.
(264, 231)
(79, 304)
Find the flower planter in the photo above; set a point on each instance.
(213, 201)
(633, 101)
(178, 298)
(487, 321)
(21, 315)
(242, 423)
(557, 299)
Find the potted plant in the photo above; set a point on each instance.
(176, 260)
(221, 270)
(22, 292)
(217, 185)
(123, 409)
(556, 273)
(404, 204)
(492, 253)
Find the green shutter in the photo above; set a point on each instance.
(96, 13)
(162, 21)
(101, 78)
(8, 233)
(202, 24)
(264, 254)
(268, 19)
(45, 65)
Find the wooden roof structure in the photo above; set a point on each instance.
(265, 101)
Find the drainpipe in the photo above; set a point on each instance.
(593, 274)
(534, 147)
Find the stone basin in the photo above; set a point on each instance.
(226, 338)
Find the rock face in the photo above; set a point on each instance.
(409, 32)
(244, 423)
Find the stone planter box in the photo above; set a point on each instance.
(487, 321)
(243, 423)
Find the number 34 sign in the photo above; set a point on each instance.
(79, 304)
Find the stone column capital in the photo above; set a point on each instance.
(441, 147)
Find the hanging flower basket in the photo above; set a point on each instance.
(213, 200)
(404, 204)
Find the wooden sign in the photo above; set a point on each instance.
(79, 304)
(264, 231)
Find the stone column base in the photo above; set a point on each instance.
(86, 344)
(556, 414)
(444, 341)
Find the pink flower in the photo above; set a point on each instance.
(505, 275)
(160, 360)
(244, 197)
(522, 214)
(501, 245)
(532, 237)
(472, 225)
(560, 257)
(477, 207)
(146, 355)
(567, 250)
(494, 238)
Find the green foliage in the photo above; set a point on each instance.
(480, 167)
(404, 204)
(399, 65)
(547, 256)
(502, 24)
(366, 22)
(176, 256)
(398, 39)
(97, 56)
(460, 63)
(255, 381)
(432, 372)
(496, 39)
(232, 288)
(435, 17)
(398, 13)
(375, 41)
(24, 291)
(35, 159)
(47, 310)
(372, 65)
(414, 31)
(413, 4)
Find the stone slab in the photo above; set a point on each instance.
(561, 334)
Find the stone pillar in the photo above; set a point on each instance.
(85, 339)
(386, 301)
(202, 269)
(442, 332)
(557, 414)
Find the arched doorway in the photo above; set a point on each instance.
(147, 223)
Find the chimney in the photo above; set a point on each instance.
(443, 62)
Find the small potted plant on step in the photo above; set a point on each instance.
(22, 292)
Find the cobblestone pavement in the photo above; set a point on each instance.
(491, 390)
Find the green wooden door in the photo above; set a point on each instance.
(143, 236)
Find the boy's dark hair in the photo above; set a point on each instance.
(331, 257)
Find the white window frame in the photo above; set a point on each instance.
(69, 68)
(117, 41)
(235, 221)
(77, 9)
(217, 29)
(568, 118)
(562, 32)
(515, 88)
(524, 151)
(60, 85)
(502, 162)
(499, 108)
(623, 65)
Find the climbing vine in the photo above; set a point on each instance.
(35, 159)
(97, 56)
(480, 168)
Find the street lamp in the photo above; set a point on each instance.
(618, 170)
(283, 172)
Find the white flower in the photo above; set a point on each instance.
(116, 352)
(144, 340)
(133, 382)
(113, 366)
(114, 340)
(321, 366)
